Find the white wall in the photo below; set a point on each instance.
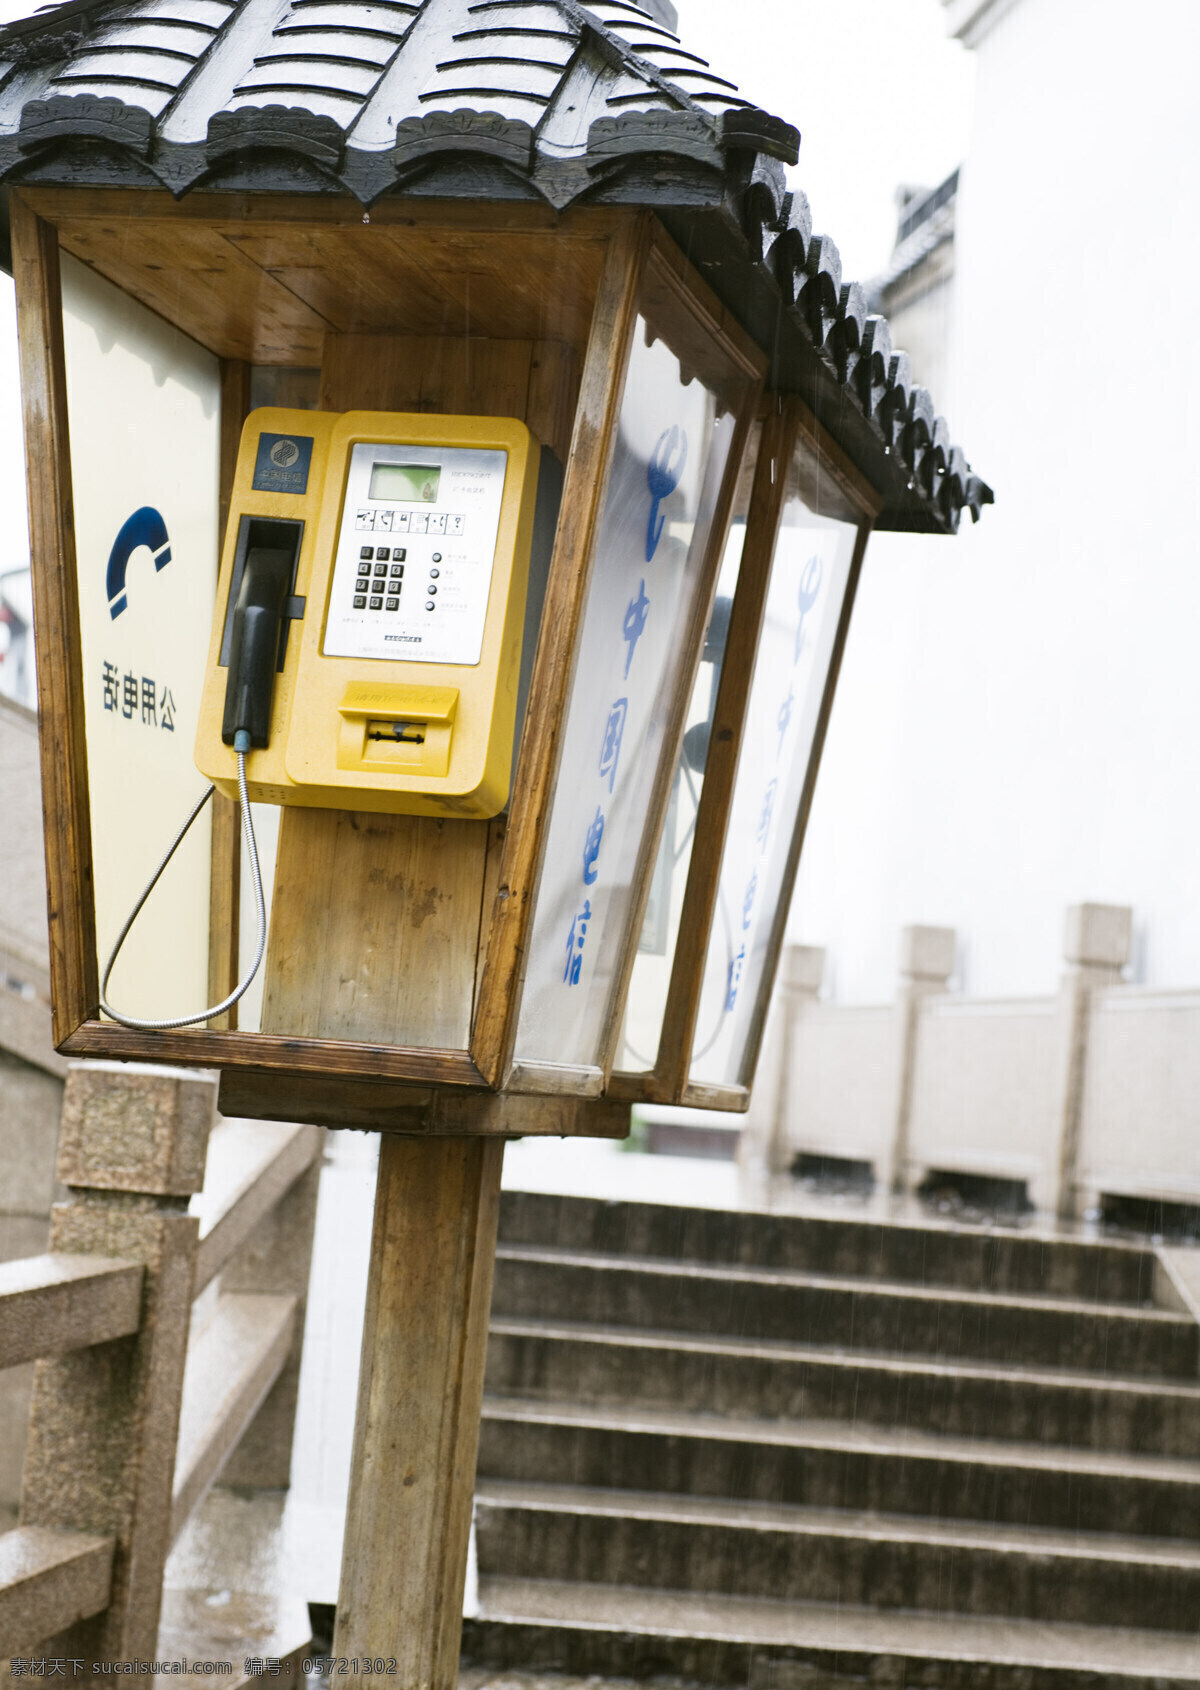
(1019, 720)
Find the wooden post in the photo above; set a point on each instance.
(104, 1420)
(419, 1399)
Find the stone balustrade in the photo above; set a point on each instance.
(1089, 1094)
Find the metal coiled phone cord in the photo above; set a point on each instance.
(241, 745)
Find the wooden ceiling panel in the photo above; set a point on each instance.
(268, 292)
(191, 275)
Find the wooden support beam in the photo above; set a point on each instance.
(74, 971)
(419, 1397)
(55, 1303)
(232, 1364)
(49, 1581)
(225, 876)
(250, 1167)
(724, 750)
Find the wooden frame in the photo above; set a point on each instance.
(634, 249)
(789, 430)
(695, 310)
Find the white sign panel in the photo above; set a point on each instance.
(144, 408)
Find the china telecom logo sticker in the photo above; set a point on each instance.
(282, 463)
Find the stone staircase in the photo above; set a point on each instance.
(788, 1452)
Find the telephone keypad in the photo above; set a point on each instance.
(376, 604)
(393, 604)
(360, 602)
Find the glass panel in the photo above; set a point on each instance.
(144, 404)
(674, 437)
(660, 930)
(809, 574)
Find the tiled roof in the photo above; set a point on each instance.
(544, 99)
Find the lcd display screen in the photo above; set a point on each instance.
(405, 484)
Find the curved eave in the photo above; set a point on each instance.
(716, 181)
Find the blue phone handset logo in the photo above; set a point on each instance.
(144, 528)
(663, 475)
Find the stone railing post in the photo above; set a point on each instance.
(927, 957)
(763, 1149)
(104, 1421)
(1096, 948)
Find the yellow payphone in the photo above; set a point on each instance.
(370, 611)
(377, 610)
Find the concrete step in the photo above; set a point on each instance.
(566, 1360)
(971, 1258)
(801, 1307)
(584, 1629)
(830, 1464)
(887, 1561)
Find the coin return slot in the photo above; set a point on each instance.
(396, 727)
(411, 733)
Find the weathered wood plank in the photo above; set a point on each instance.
(70, 889)
(268, 1054)
(55, 1303)
(250, 1167)
(231, 1366)
(48, 1581)
(224, 886)
(420, 1389)
(372, 918)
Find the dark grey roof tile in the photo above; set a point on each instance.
(642, 134)
(85, 115)
(464, 131)
(284, 128)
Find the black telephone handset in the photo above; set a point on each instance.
(254, 648)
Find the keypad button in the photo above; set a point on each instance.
(376, 604)
(384, 552)
(393, 604)
(381, 569)
(364, 571)
(360, 601)
(367, 551)
(397, 569)
(398, 554)
(429, 604)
